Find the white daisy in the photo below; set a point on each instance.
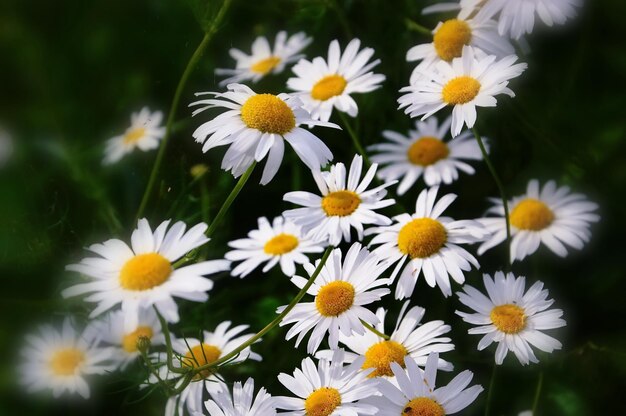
(511, 318)
(342, 205)
(415, 393)
(59, 361)
(145, 132)
(255, 126)
(265, 59)
(552, 215)
(425, 151)
(328, 390)
(242, 402)
(341, 291)
(430, 242)
(325, 84)
(280, 242)
(143, 274)
(464, 84)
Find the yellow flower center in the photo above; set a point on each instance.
(335, 298)
(450, 38)
(328, 87)
(427, 151)
(200, 355)
(145, 271)
(531, 214)
(422, 237)
(460, 90)
(268, 114)
(322, 402)
(65, 362)
(423, 406)
(380, 356)
(134, 135)
(508, 318)
(129, 342)
(340, 203)
(265, 65)
(281, 244)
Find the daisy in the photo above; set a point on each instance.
(242, 402)
(415, 393)
(464, 84)
(511, 318)
(59, 361)
(325, 84)
(255, 126)
(264, 59)
(145, 133)
(341, 291)
(552, 215)
(430, 242)
(342, 205)
(280, 242)
(328, 390)
(425, 152)
(143, 274)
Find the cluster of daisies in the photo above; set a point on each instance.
(368, 368)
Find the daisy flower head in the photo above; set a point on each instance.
(425, 151)
(325, 84)
(142, 275)
(550, 215)
(471, 81)
(343, 204)
(430, 242)
(415, 393)
(342, 289)
(60, 360)
(256, 126)
(264, 59)
(330, 389)
(145, 132)
(511, 316)
(243, 402)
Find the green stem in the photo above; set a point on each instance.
(168, 344)
(355, 139)
(492, 383)
(374, 330)
(416, 27)
(154, 371)
(537, 393)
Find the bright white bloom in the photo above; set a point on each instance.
(415, 393)
(553, 216)
(512, 318)
(143, 274)
(281, 242)
(325, 84)
(59, 361)
(328, 390)
(425, 152)
(430, 242)
(265, 59)
(256, 126)
(145, 132)
(343, 204)
(341, 291)
(464, 84)
(242, 402)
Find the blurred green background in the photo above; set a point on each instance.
(72, 71)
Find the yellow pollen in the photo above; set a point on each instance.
(450, 38)
(65, 362)
(531, 214)
(423, 406)
(340, 203)
(335, 298)
(134, 135)
(380, 356)
(200, 355)
(427, 151)
(129, 342)
(322, 402)
(508, 318)
(460, 90)
(422, 237)
(145, 271)
(265, 65)
(328, 87)
(281, 244)
(268, 114)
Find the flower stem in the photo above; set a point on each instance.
(537, 393)
(168, 344)
(416, 27)
(374, 330)
(355, 139)
(492, 383)
(161, 382)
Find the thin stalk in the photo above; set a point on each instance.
(374, 330)
(537, 393)
(355, 139)
(155, 372)
(416, 27)
(492, 383)
(168, 344)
